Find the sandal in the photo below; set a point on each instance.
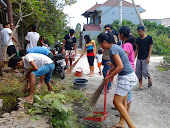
(114, 126)
(26, 99)
(139, 89)
(150, 84)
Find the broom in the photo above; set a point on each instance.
(97, 93)
(72, 66)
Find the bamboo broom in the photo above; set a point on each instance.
(97, 93)
(72, 66)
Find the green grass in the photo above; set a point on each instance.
(160, 68)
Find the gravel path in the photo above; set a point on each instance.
(150, 108)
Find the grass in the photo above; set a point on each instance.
(160, 68)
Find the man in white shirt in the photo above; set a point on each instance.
(6, 33)
(32, 37)
(37, 65)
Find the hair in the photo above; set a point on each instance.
(100, 51)
(113, 30)
(141, 27)
(5, 24)
(125, 30)
(87, 37)
(22, 52)
(33, 26)
(14, 61)
(107, 37)
(72, 31)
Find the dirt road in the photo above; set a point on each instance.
(150, 108)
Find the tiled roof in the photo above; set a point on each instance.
(116, 3)
(92, 9)
(92, 27)
(112, 3)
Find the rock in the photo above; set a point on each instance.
(6, 115)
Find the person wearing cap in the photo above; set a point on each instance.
(143, 53)
(69, 47)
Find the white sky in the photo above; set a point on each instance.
(155, 9)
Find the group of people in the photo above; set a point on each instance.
(117, 58)
(118, 55)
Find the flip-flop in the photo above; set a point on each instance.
(114, 108)
(114, 126)
(150, 84)
(139, 89)
(27, 101)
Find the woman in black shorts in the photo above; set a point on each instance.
(91, 53)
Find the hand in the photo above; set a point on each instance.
(107, 80)
(110, 64)
(147, 60)
(94, 54)
(18, 44)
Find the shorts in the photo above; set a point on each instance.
(91, 60)
(45, 70)
(70, 54)
(11, 50)
(125, 84)
(99, 64)
(142, 69)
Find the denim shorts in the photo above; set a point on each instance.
(45, 70)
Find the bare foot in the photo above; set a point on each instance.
(28, 99)
(91, 75)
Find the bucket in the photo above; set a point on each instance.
(80, 83)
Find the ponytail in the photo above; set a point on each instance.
(131, 39)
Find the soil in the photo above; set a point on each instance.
(150, 108)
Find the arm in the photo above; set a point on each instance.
(94, 47)
(75, 48)
(13, 38)
(136, 51)
(119, 67)
(64, 42)
(149, 55)
(34, 67)
(84, 50)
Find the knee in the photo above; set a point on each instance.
(31, 75)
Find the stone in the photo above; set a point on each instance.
(6, 115)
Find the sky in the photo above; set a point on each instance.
(155, 9)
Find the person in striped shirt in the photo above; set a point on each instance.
(90, 46)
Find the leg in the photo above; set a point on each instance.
(50, 88)
(32, 85)
(41, 81)
(121, 121)
(118, 102)
(92, 70)
(139, 73)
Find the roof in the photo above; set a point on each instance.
(92, 9)
(116, 3)
(92, 27)
(112, 3)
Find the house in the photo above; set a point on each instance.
(164, 21)
(102, 14)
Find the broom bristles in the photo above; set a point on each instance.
(97, 93)
(71, 68)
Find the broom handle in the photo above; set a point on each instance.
(105, 96)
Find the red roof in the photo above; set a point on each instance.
(116, 3)
(92, 27)
(112, 3)
(92, 9)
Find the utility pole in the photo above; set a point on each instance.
(120, 13)
(138, 14)
(10, 17)
(70, 21)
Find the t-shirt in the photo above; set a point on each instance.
(41, 50)
(33, 37)
(127, 68)
(99, 58)
(127, 47)
(70, 41)
(5, 36)
(89, 47)
(39, 59)
(143, 46)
